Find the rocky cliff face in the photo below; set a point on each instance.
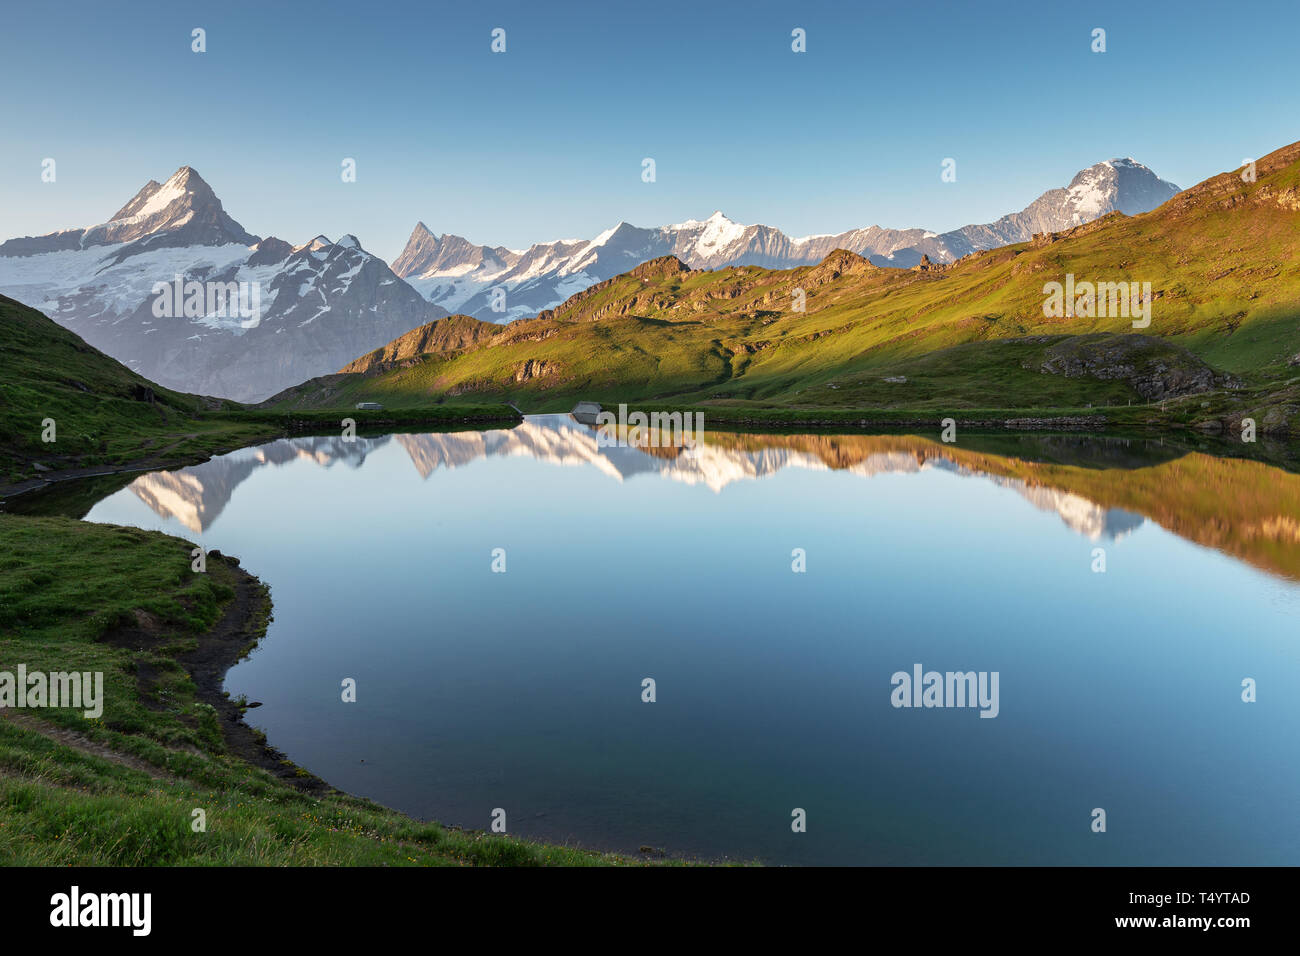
(450, 334)
(427, 253)
(1156, 369)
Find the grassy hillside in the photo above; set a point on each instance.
(444, 335)
(119, 790)
(1223, 261)
(102, 411)
(104, 415)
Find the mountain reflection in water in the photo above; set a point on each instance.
(1244, 508)
(196, 496)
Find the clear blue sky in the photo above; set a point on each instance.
(546, 140)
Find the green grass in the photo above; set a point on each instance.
(64, 585)
(120, 790)
(322, 421)
(99, 408)
(62, 807)
(988, 375)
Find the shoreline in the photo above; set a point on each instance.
(122, 784)
(747, 422)
(242, 626)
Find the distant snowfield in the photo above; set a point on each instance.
(43, 281)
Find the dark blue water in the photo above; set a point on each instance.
(523, 690)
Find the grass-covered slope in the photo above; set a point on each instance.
(102, 415)
(1222, 258)
(102, 412)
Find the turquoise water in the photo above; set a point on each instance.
(522, 690)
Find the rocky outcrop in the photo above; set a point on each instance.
(662, 268)
(1228, 190)
(444, 335)
(1155, 369)
(535, 368)
(576, 306)
(269, 251)
(837, 264)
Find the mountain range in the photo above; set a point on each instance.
(321, 304)
(462, 277)
(978, 334)
(107, 415)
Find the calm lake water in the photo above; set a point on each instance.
(522, 690)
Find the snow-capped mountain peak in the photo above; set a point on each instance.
(321, 304)
(266, 315)
(156, 198)
(719, 233)
(183, 211)
(717, 217)
(448, 255)
(315, 245)
(1117, 184)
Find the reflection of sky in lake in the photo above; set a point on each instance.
(522, 690)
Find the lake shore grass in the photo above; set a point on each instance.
(1271, 405)
(123, 788)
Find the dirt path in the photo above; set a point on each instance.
(78, 741)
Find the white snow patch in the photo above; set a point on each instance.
(166, 194)
(719, 233)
